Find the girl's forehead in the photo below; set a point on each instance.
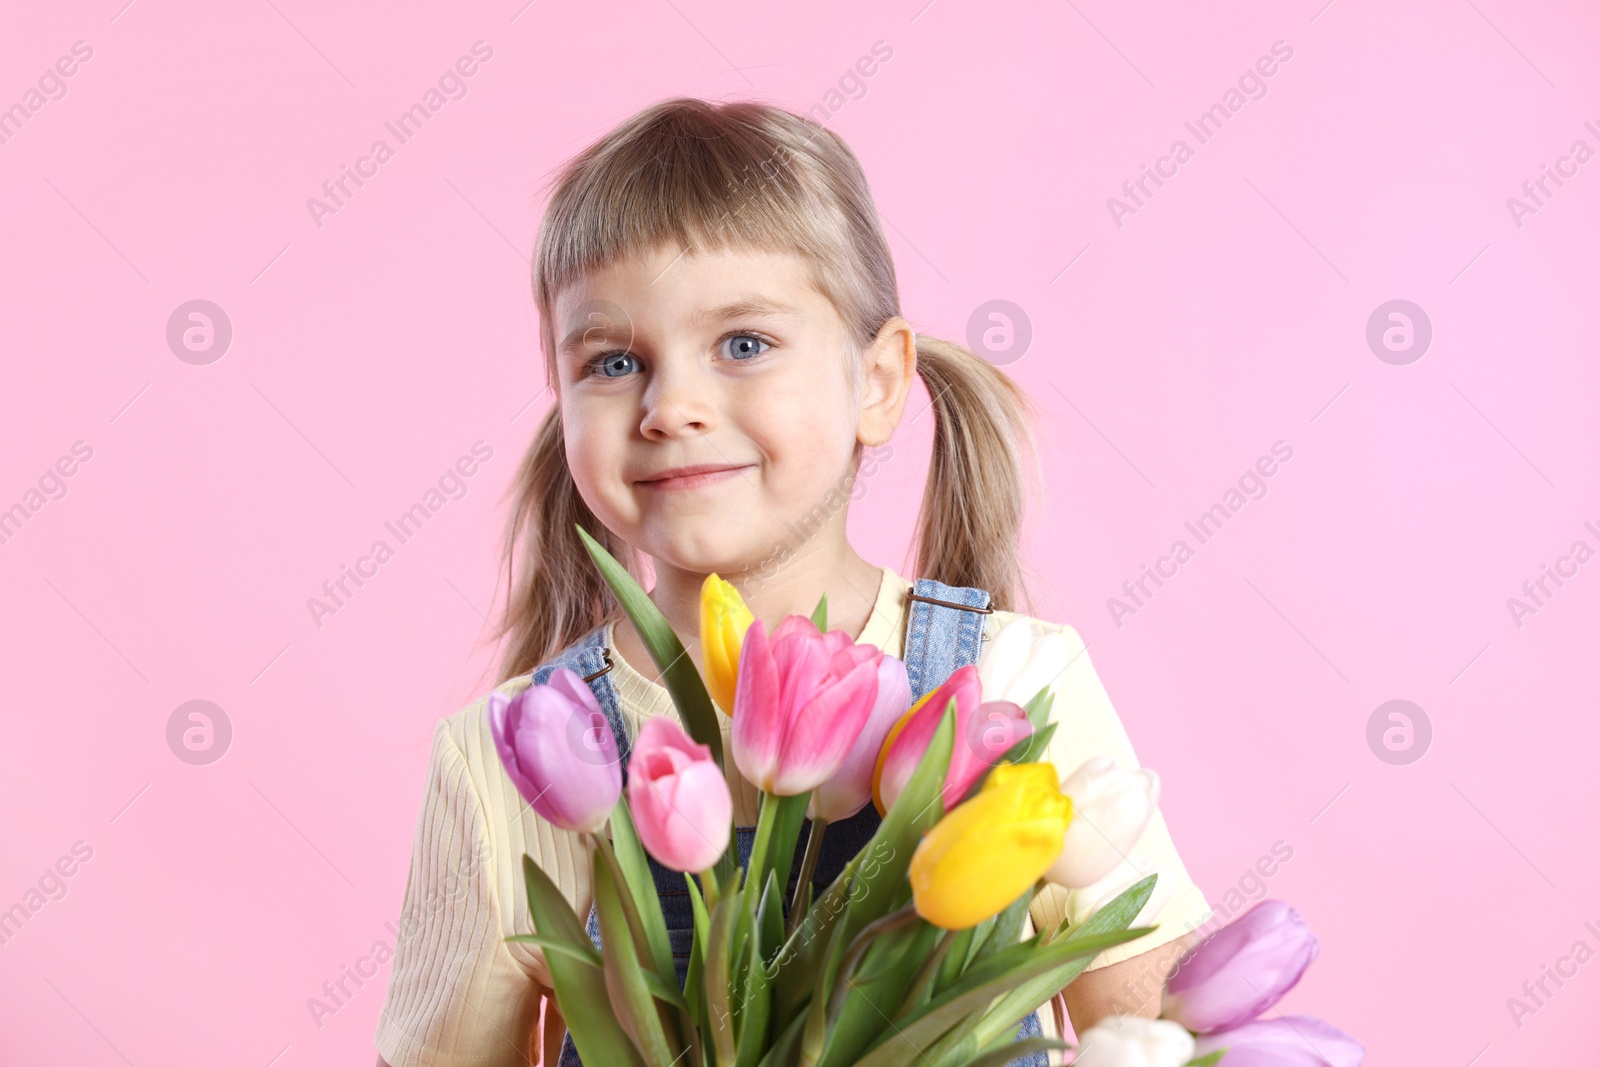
(669, 283)
(660, 262)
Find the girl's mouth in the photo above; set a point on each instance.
(693, 477)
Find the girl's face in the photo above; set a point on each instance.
(730, 361)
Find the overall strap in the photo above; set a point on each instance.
(944, 632)
(592, 660)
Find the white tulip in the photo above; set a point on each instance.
(1110, 809)
(1083, 903)
(1022, 658)
(1134, 1041)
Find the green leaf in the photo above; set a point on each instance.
(585, 954)
(718, 966)
(999, 1057)
(756, 1010)
(1114, 917)
(819, 617)
(642, 887)
(769, 921)
(905, 1045)
(797, 961)
(1028, 995)
(786, 1049)
(694, 978)
(877, 991)
(1007, 928)
(579, 986)
(678, 674)
(1210, 1059)
(1038, 709)
(662, 991)
(951, 943)
(630, 996)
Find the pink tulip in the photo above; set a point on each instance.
(1287, 1041)
(983, 734)
(559, 751)
(850, 788)
(1241, 970)
(803, 697)
(679, 798)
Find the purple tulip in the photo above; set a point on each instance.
(1287, 1041)
(1241, 970)
(558, 750)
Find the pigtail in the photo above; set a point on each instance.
(969, 528)
(557, 594)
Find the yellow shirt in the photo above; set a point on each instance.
(459, 996)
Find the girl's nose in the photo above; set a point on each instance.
(678, 400)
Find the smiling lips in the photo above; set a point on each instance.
(692, 477)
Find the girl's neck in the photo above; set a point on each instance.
(770, 592)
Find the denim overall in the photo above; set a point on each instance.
(944, 632)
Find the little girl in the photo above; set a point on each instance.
(722, 332)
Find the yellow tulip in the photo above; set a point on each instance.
(723, 621)
(986, 852)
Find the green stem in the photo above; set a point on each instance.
(858, 948)
(710, 888)
(766, 816)
(629, 910)
(808, 868)
(925, 976)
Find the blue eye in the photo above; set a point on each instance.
(742, 347)
(615, 364)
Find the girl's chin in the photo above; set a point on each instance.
(721, 555)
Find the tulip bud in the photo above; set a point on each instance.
(850, 788)
(984, 733)
(991, 849)
(1021, 659)
(1241, 970)
(1134, 1041)
(1287, 1041)
(723, 622)
(558, 750)
(679, 797)
(1111, 808)
(803, 698)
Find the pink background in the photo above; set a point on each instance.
(1228, 313)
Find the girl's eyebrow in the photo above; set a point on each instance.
(750, 305)
(612, 333)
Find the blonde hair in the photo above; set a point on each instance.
(686, 173)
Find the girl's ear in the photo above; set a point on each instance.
(887, 368)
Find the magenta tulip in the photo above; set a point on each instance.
(850, 788)
(803, 697)
(1287, 1041)
(679, 798)
(1241, 970)
(983, 734)
(559, 751)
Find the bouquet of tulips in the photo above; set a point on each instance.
(914, 953)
